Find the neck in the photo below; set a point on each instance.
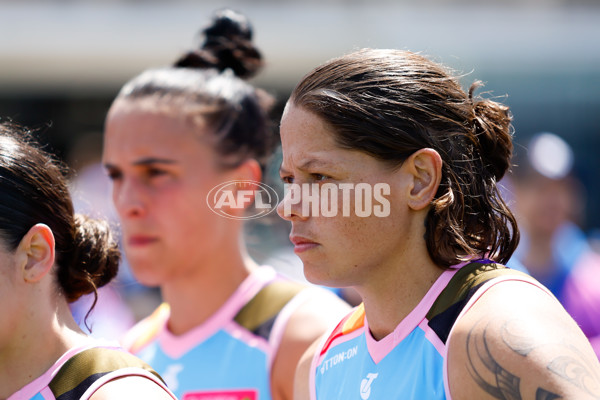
(37, 343)
(397, 285)
(393, 301)
(195, 297)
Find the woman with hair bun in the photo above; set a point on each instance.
(51, 257)
(441, 316)
(228, 328)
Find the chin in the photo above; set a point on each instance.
(146, 273)
(316, 274)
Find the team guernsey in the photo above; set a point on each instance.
(231, 354)
(81, 371)
(409, 363)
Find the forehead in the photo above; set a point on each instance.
(139, 130)
(309, 144)
(303, 131)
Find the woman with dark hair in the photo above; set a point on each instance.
(441, 316)
(228, 328)
(51, 257)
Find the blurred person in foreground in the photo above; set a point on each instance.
(228, 328)
(441, 317)
(50, 257)
(550, 203)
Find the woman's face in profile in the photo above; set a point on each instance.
(346, 207)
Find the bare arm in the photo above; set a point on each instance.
(306, 325)
(131, 387)
(519, 343)
(302, 378)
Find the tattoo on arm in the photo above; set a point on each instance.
(542, 394)
(572, 365)
(497, 381)
(501, 384)
(576, 372)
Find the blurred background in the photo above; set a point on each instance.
(63, 61)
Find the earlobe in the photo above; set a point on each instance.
(425, 167)
(37, 250)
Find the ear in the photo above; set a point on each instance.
(425, 168)
(37, 250)
(247, 176)
(249, 170)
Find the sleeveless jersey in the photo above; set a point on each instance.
(409, 363)
(230, 355)
(81, 371)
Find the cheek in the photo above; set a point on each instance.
(184, 209)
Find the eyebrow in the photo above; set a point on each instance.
(154, 160)
(308, 164)
(146, 161)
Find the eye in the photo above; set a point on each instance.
(114, 174)
(153, 172)
(319, 177)
(287, 179)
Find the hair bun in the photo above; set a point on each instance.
(230, 24)
(94, 259)
(227, 45)
(492, 128)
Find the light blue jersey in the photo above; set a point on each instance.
(410, 362)
(350, 365)
(231, 354)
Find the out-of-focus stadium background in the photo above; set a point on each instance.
(63, 61)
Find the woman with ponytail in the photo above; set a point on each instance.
(50, 258)
(441, 316)
(228, 328)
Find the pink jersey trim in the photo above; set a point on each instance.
(124, 372)
(47, 394)
(176, 346)
(486, 286)
(247, 337)
(433, 337)
(379, 349)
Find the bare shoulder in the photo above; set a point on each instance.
(319, 313)
(131, 387)
(518, 342)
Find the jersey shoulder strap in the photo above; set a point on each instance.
(259, 314)
(83, 369)
(445, 310)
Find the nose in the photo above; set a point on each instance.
(129, 198)
(290, 207)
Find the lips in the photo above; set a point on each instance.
(140, 240)
(302, 244)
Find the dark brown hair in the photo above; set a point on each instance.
(208, 83)
(33, 190)
(391, 103)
